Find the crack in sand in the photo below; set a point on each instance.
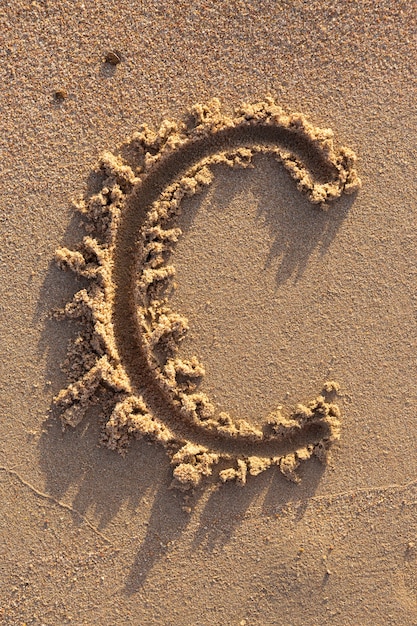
(47, 496)
(129, 335)
(396, 487)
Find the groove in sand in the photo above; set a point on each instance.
(129, 336)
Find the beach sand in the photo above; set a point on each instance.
(280, 296)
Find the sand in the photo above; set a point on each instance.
(278, 290)
(127, 325)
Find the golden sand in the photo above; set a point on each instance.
(280, 296)
(178, 161)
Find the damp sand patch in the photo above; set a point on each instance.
(126, 354)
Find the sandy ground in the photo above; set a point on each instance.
(90, 537)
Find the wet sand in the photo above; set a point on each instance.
(279, 296)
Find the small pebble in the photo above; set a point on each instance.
(113, 57)
(60, 95)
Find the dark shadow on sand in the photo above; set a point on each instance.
(106, 481)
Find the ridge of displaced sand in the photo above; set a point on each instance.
(126, 322)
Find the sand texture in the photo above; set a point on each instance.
(100, 358)
(209, 416)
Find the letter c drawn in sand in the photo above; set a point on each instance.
(126, 353)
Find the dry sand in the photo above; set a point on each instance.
(280, 297)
